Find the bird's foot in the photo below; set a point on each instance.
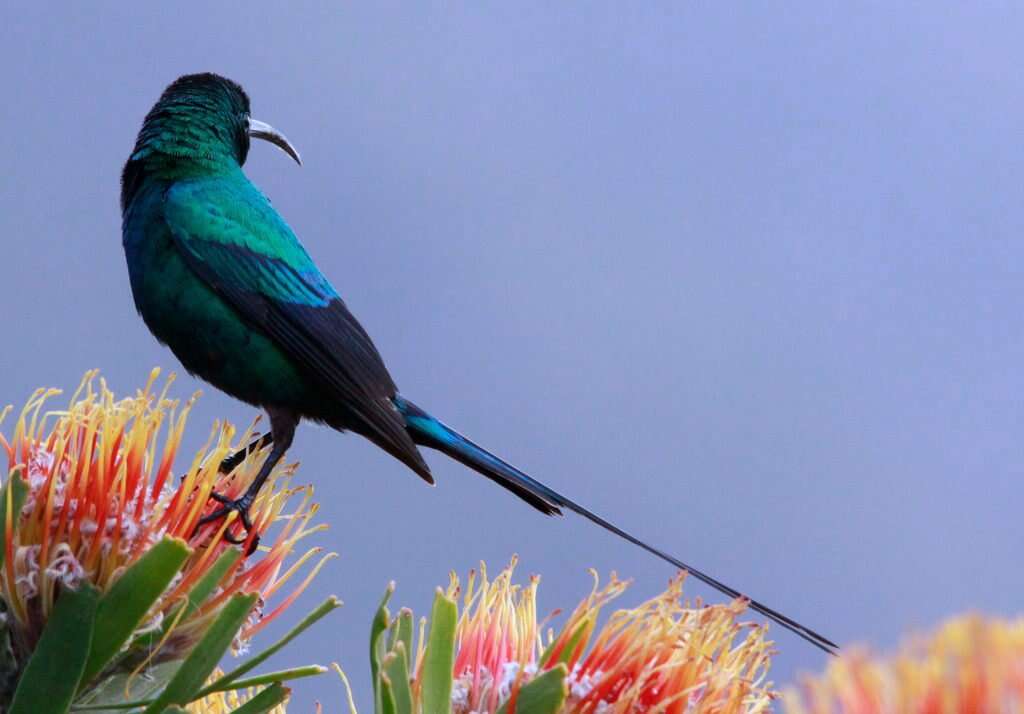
(228, 506)
(230, 463)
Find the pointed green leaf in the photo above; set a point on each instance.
(439, 658)
(55, 668)
(264, 701)
(196, 596)
(17, 489)
(283, 675)
(209, 582)
(123, 607)
(387, 696)
(543, 695)
(331, 603)
(201, 661)
(111, 694)
(381, 620)
(397, 670)
(401, 630)
(397, 673)
(377, 628)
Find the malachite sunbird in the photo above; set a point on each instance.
(220, 278)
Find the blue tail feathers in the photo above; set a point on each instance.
(428, 431)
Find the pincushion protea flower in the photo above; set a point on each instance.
(663, 656)
(970, 665)
(496, 638)
(92, 517)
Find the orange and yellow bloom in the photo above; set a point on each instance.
(970, 665)
(664, 656)
(101, 490)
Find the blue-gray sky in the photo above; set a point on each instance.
(744, 276)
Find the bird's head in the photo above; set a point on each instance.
(201, 122)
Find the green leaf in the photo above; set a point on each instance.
(18, 490)
(381, 619)
(201, 661)
(377, 629)
(401, 630)
(543, 695)
(195, 598)
(55, 668)
(283, 675)
(271, 678)
(331, 603)
(214, 575)
(111, 694)
(133, 594)
(387, 695)
(398, 645)
(264, 701)
(206, 584)
(396, 669)
(439, 658)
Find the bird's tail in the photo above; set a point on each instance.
(428, 431)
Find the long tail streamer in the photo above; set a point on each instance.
(430, 432)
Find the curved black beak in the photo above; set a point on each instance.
(262, 130)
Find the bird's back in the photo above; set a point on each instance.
(221, 278)
(184, 312)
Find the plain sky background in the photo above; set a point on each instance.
(745, 277)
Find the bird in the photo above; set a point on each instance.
(219, 277)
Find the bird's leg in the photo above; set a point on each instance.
(231, 462)
(283, 425)
(242, 504)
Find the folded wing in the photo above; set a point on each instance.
(234, 240)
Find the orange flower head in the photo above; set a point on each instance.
(664, 656)
(100, 491)
(970, 665)
(496, 638)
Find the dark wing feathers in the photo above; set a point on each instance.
(239, 245)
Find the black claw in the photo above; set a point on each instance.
(239, 541)
(285, 430)
(239, 506)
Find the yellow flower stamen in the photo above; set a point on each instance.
(101, 492)
(665, 656)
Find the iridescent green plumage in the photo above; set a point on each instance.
(221, 279)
